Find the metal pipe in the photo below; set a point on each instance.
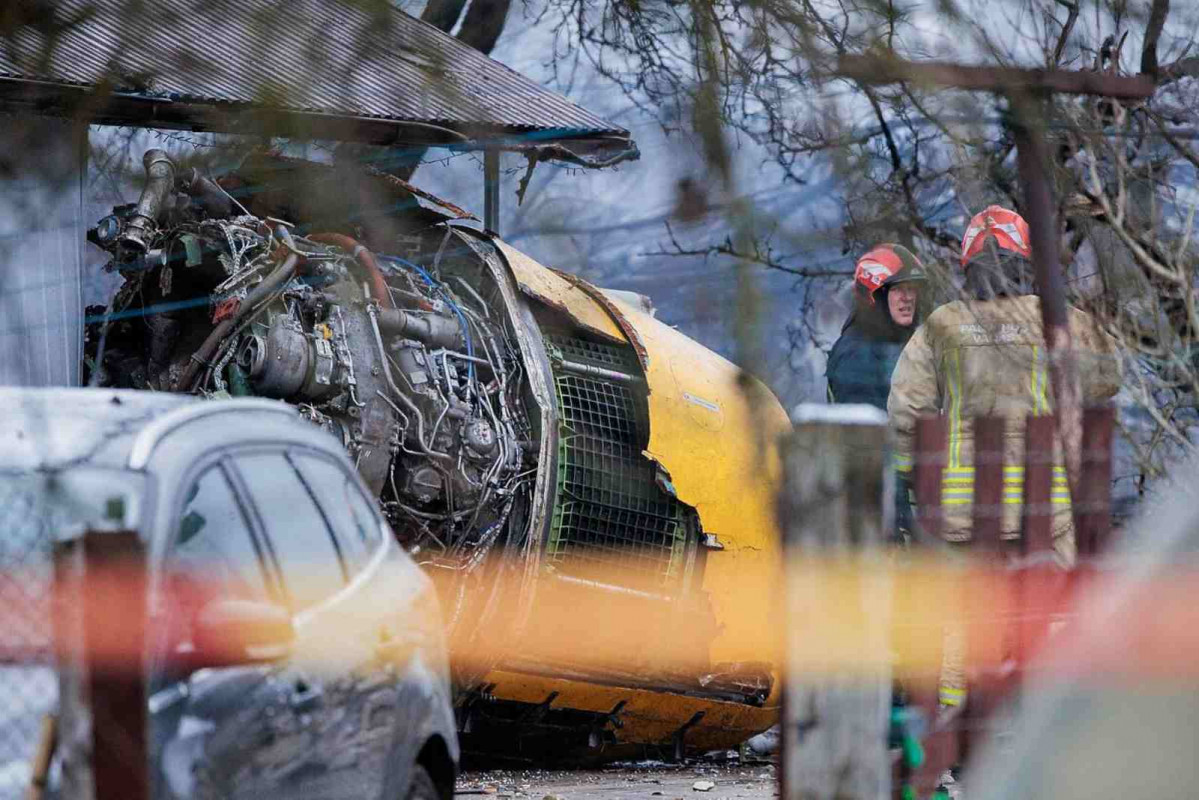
(491, 189)
(599, 372)
(471, 290)
(372, 312)
(217, 203)
(160, 177)
(430, 328)
(447, 352)
(270, 284)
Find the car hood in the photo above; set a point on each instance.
(49, 429)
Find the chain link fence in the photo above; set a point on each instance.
(28, 682)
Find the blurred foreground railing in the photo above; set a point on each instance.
(863, 616)
(99, 629)
(834, 508)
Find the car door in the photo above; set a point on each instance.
(209, 728)
(334, 708)
(372, 608)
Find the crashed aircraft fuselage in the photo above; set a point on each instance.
(591, 490)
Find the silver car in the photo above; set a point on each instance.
(252, 520)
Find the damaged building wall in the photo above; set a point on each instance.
(42, 231)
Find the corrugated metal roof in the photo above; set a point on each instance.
(313, 56)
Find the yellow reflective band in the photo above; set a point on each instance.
(1007, 470)
(1032, 382)
(955, 410)
(1007, 501)
(1008, 483)
(951, 697)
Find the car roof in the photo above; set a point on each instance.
(49, 429)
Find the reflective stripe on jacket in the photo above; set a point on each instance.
(989, 359)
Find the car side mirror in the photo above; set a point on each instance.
(230, 633)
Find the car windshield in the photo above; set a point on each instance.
(37, 509)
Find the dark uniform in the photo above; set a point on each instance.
(861, 362)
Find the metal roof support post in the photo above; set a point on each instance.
(491, 189)
(1034, 167)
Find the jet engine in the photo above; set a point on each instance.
(539, 444)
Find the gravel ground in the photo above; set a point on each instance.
(642, 780)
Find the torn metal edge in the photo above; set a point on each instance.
(622, 322)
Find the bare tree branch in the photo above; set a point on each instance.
(1067, 28)
(1153, 31)
(763, 256)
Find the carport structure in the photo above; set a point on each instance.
(329, 70)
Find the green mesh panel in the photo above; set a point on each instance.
(608, 506)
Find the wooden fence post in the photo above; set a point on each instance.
(989, 488)
(929, 463)
(941, 745)
(74, 716)
(835, 510)
(100, 629)
(1037, 528)
(1093, 509)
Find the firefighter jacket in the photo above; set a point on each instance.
(989, 359)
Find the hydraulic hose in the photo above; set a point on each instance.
(364, 257)
(270, 284)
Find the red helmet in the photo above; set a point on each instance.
(887, 265)
(1007, 228)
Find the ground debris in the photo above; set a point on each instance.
(703, 786)
(630, 780)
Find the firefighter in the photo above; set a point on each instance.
(986, 356)
(884, 316)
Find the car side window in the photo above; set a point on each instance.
(211, 557)
(301, 541)
(348, 511)
(213, 549)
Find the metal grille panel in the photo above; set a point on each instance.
(609, 509)
(596, 354)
